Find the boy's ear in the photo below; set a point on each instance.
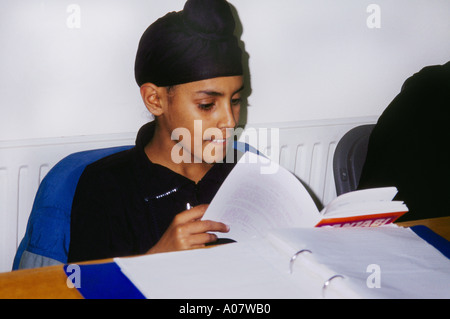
(151, 96)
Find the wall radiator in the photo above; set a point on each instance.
(305, 148)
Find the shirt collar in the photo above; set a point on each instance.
(156, 180)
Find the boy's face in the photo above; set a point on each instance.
(209, 111)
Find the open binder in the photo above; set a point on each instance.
(382, 262)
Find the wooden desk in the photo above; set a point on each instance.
(40, 283)
(50, 282)
(440, 226)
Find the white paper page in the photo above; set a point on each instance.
(381, 194)
(309, 275)
(408, 266)
(251, 200)
(233, 271)
(358, 209)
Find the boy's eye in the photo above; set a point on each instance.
(236, 101)
(206, 106)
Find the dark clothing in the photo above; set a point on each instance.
(124, 203)
(408, 147)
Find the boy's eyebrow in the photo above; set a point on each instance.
(240, 89)
(215, 93)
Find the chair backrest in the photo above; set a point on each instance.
(349, 158)
(46, 240)
(47, 237)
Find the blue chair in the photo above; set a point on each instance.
(47, 236)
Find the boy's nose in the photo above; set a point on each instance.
(227, 118)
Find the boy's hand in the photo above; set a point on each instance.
(188, 231)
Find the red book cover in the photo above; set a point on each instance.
(371, 220)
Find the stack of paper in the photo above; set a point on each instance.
(382, 262)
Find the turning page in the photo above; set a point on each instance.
(259, 195)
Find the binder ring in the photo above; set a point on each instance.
(294, 257)
(327, 283)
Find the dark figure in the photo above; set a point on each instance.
(409, 145)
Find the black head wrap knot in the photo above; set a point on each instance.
(190, 45)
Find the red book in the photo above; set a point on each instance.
(365, 208)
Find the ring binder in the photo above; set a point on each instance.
(294, 257)
(327, 283)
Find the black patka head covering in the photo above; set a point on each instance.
(194, 44)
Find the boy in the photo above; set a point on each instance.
(189, 70)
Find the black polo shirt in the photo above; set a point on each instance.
(124, 203)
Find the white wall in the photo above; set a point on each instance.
(310, 59)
